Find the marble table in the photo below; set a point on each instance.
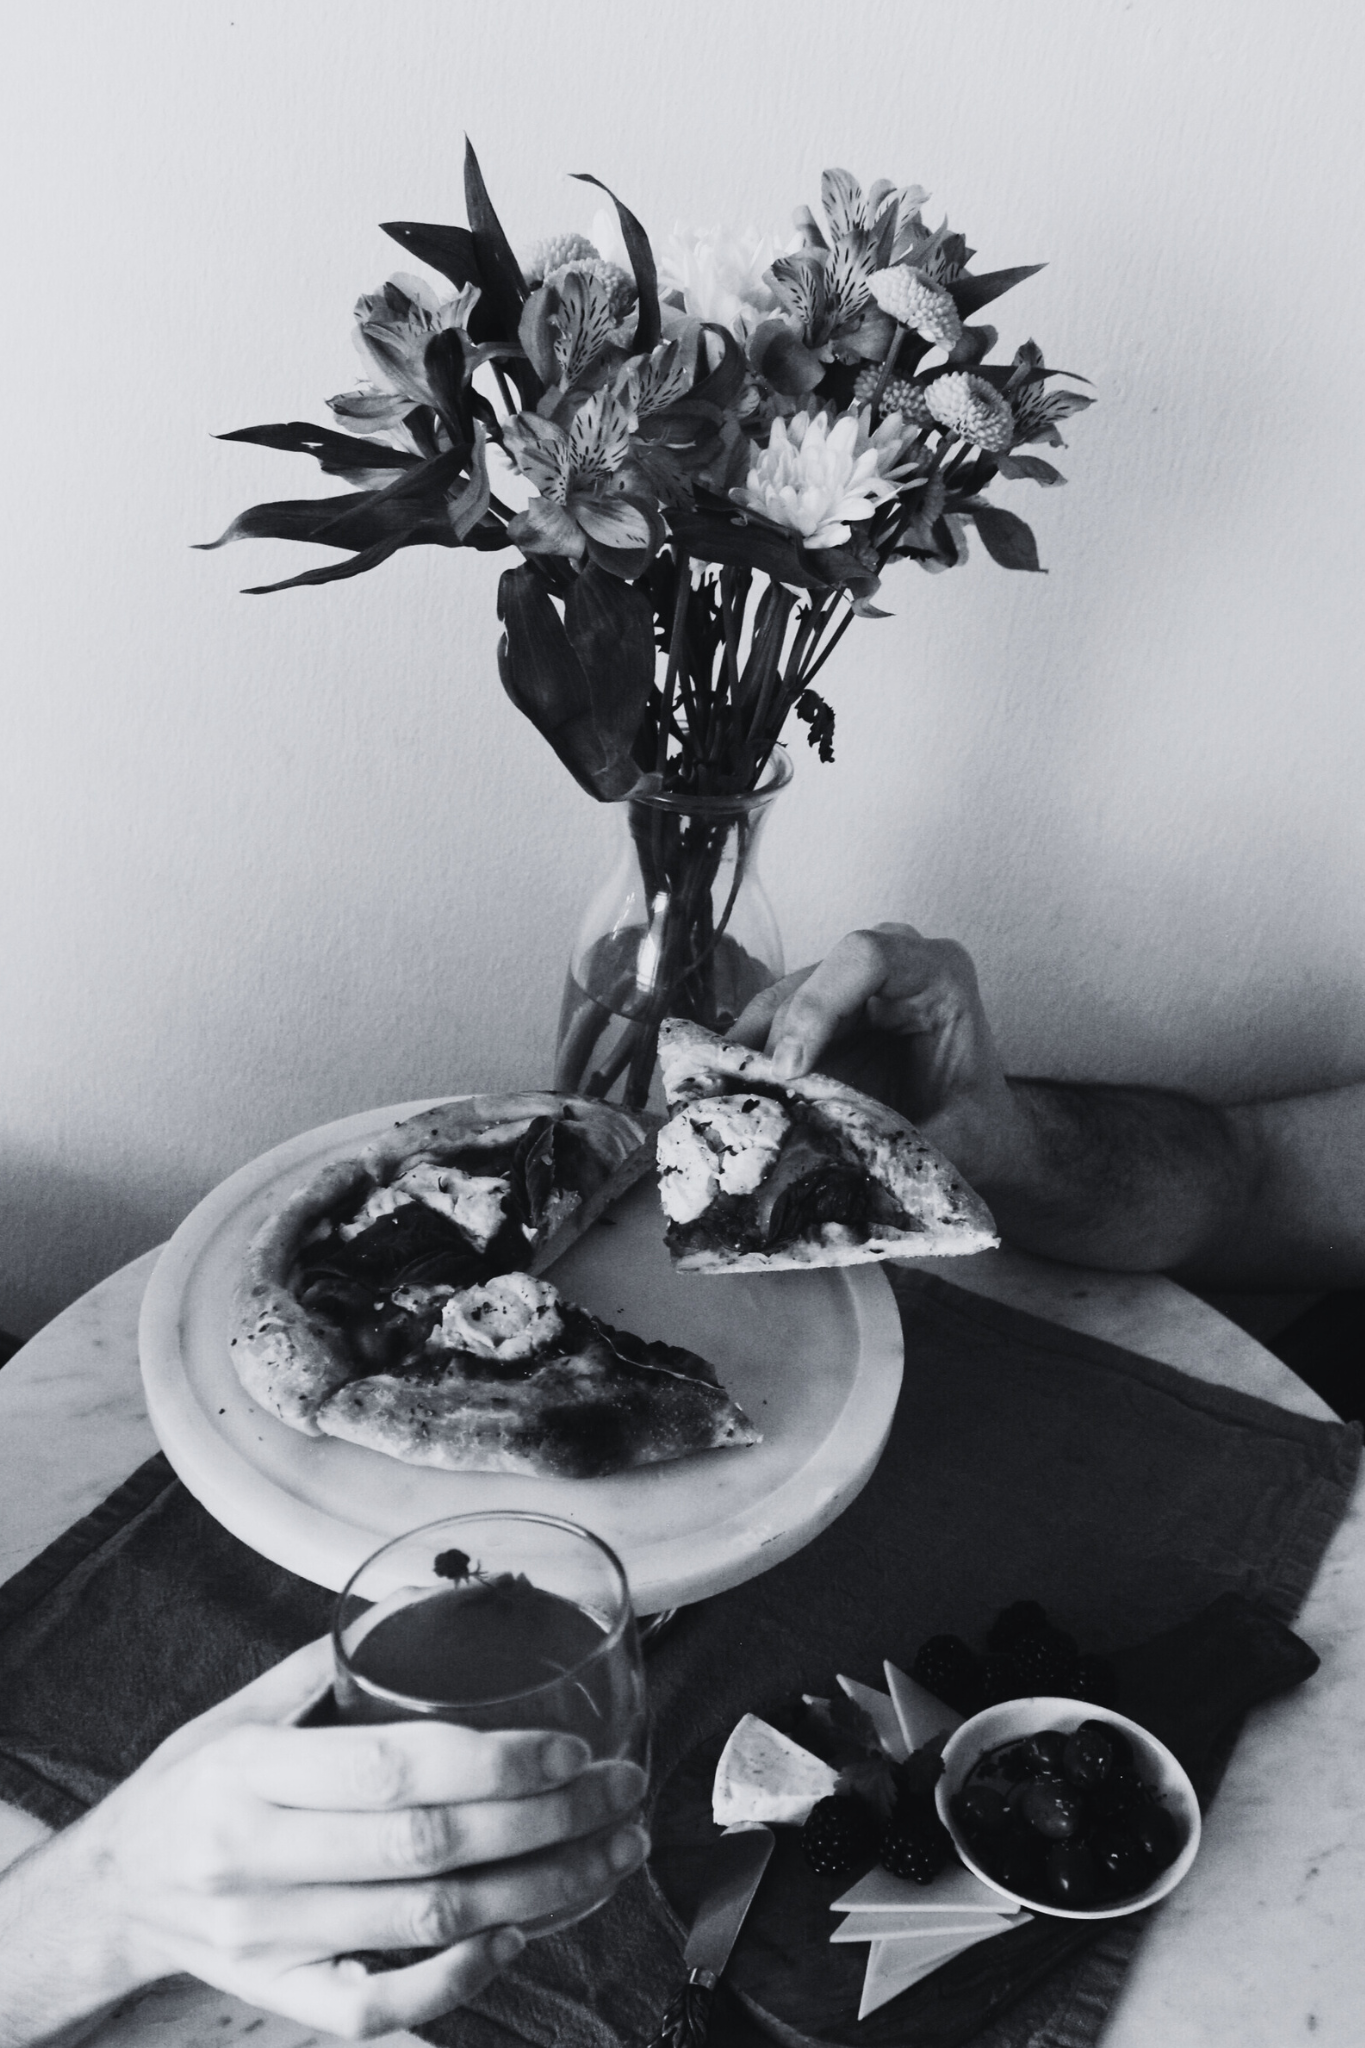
(1260, 1947)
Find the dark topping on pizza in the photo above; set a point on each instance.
(811, 1184)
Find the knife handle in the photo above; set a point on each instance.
(688, 2013)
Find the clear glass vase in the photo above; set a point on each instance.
(681, 927)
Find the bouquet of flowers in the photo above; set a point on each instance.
(706, 459)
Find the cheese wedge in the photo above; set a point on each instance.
(765, 1776)
(920, 1715)
(893, 1966)
(882, 1714)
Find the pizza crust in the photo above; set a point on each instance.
(949, 1219)
(576, 1416)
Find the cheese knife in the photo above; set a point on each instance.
(736, 1866)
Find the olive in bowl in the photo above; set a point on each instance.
(1068, 1808)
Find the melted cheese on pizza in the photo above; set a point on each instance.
(472, 1201)
(382, 1202)
(511, 1317)
(724, 1143)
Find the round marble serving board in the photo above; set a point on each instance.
(814, 1359)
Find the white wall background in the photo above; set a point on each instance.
(266, 860)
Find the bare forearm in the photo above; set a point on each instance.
(1255, 1195)
(59, 1972)
(1129, 1179)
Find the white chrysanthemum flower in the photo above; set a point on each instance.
(914, 301)
(814, 478)
(720, 275)
(972, 408)
(552, 252)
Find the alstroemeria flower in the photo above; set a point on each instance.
(395, 324)
(575, 470)
(814, 478)
(721, 276)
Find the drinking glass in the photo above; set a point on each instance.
(499, 1620)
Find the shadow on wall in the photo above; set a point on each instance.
(96, 1223)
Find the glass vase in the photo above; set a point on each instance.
(680, 928)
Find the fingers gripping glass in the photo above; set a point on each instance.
(495, 1621)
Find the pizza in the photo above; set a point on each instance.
(395, 1300)
(762, 1175)
(519, 1380)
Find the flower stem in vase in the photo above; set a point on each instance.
(681, 928)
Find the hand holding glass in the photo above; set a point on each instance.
(494, 1622)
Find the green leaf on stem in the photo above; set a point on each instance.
(610, 626)
(466, 507)
(969, 294)
(712, 537)
(537, 335)
(588, 715)
(449, 250)
(336, 454)
(1032, 467)
(648, 323)
(336, 572)
(503, 286)
(1006, 538)
(443, 360)
(413, 509)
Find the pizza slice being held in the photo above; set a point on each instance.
(513, 1378)
(762, 1175)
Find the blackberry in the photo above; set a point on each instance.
(949, 1669)
(916, 1844)
(1015, 1623)
(839, 1837)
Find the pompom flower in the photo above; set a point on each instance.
(552, 252)
(972, 408)
(814, 478)
(914, 301)
(901, 394)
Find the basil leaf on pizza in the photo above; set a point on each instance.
(395, 1301)
(761, 1175)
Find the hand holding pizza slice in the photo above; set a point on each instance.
(762, 1174)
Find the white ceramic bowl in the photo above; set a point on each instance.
(1013, 1720)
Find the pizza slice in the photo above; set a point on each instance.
(761, 1175)
(513, 1378)
(394, 1301)
(487, 1184)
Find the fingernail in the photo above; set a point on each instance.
(563, 1756)
(626, 1784)
(507, 1945)
(627, 1847)
(787, 1059)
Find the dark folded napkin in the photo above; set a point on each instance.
(1025, 1461)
